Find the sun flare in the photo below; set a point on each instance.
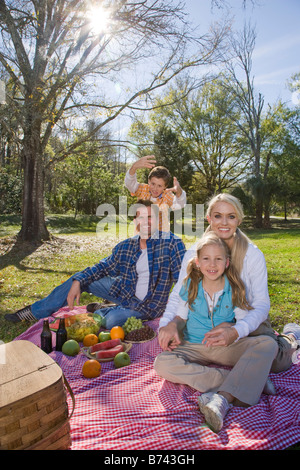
(99, 18)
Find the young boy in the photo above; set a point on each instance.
(156, 190)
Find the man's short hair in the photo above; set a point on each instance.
(146, 203)
(160, 172)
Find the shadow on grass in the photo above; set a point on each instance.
(70, 224)
(17, 253)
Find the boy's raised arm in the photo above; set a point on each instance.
(177, 189)
(144, 162)
(180, 195)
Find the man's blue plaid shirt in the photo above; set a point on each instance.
(165, 254)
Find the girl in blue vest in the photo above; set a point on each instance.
(212, 292)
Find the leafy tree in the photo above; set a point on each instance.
(10, 192)
(286, 167)
(59, 66)
(203, 124)
(251, 107)
(171, 153)
(82, 181)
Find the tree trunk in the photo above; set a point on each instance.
(267, 217)
(258, 195)
(34, 228)
(258, 214)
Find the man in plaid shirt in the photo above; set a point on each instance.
(137, 276)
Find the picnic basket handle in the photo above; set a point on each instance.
(68, 387)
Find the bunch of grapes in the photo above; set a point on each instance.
(132, 323)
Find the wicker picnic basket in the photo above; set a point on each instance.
(33, 405)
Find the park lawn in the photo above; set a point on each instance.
(281, 248)
(29, 275)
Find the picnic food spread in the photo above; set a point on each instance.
(100, 345)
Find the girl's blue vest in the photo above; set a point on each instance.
(200, 320)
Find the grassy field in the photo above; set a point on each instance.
(30, 274)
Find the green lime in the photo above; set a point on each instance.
(122, 359)
(71, 347)
(104, 336)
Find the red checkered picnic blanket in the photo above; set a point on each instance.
(132, 408)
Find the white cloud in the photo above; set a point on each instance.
(275, 77)
(281, 44)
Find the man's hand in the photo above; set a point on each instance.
(74, 294)
(169, 335)
(145, 162)
(176, 188)
(220, 336)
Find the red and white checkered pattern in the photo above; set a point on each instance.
(132, 408)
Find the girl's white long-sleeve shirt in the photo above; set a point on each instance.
(255, 277)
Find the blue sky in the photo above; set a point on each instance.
(277, 53)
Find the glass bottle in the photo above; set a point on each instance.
(46, 338)
(61, 335)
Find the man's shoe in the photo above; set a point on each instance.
(292, 329)
(24, 314)
(92, 307)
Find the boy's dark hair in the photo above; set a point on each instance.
(160, 172)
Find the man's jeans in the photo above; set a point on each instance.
(114, 316)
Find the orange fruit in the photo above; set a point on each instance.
(117, 332)
(91, 368)
(90, 340)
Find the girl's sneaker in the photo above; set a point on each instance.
(215, 411)
(203, 400)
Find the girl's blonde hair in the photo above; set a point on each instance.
(241, 241)
(195, 275)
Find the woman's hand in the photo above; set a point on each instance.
(220, 336)
(169, 337)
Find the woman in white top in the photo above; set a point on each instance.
(225, 214)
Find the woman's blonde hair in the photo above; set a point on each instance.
(241, 241)
(195, 275)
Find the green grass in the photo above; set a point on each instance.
(281, 248)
